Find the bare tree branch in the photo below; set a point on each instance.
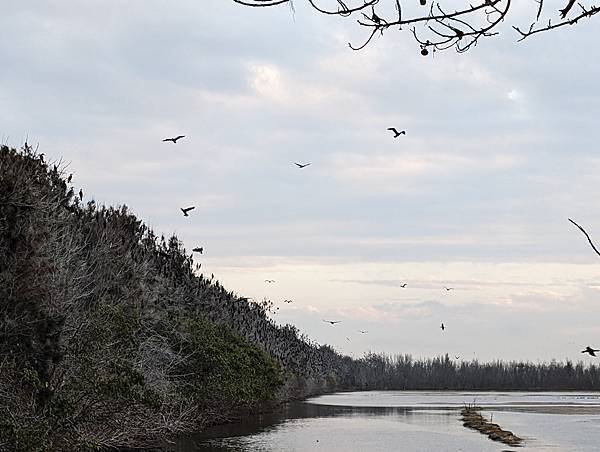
(566, 9)
(436, 27)
(588, 237)
(532, 30)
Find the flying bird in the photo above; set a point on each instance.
(288, 301)
(300, 165)
(186, 210)
(270, 281)
(590, 350)
(174, 140)
(456, 357)
(363, 331)
(449, 288)
(198, 250)
(442, 327)
(333, 322)
(396, 133)
(403, 285)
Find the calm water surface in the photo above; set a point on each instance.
(412, 421)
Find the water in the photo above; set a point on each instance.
(412, 421)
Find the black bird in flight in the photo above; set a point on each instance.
(186, 210)
(456, 357)
(198, 250)
(442, 327)
(300, 165)
(269, 281)
(396, 133)
(363, 331)
(403, 285)
(174, 140)
(590, 350)
(288, 301)
(333, 322)
(449, 288)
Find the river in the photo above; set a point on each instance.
(412, 421)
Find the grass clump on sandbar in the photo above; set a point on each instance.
(472, 418)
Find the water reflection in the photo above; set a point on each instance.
(306, 427)
(410, 421)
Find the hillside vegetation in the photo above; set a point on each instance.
(110, 336)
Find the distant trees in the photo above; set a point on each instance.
(403, 372)
(441, 25)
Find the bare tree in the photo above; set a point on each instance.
(439, 25)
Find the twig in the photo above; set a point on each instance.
(588, 237)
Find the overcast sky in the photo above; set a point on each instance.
(500, 149)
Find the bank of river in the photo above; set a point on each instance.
(411, 421)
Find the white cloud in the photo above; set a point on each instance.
(500, 150)
(267, 80)
(513, 94)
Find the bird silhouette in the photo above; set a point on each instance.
(288, 301)
(403, 285)
(456, 357)
(198, 250)
(81, 194)
(590, 350)
(300, 165)
(363, 331)
(69, 178)
(270, 281)
(174, 140)
(333, 322)
(442, 327)
(186, 210)
(396, 133)
(449, 288)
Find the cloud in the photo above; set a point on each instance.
(411, 172)
(409, 310)
(500, 149)
(513, 94)
(267, 81)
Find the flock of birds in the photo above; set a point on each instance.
(396, 133)
(186, 210)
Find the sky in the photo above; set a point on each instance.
(500, 149)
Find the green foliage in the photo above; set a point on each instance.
(226, 368)
(98, 324)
